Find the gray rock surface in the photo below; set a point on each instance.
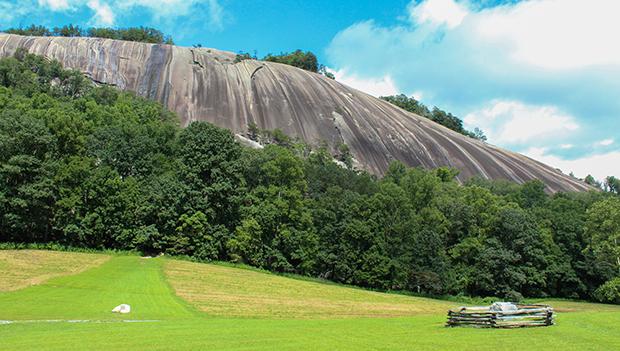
(207, 85)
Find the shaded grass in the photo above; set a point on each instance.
(23, 268)
(51, 246)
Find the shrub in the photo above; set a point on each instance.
(513, 296)
(609, 292)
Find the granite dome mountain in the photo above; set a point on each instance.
(208, 85)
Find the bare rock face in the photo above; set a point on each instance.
(207, 85)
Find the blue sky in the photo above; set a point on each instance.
(539, 77)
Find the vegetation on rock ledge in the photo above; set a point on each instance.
(437, 115)
(139, 34)
(304, 60)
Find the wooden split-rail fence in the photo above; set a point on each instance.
(502, 315)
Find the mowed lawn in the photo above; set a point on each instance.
(91, 295)
(30, 267)
(227, 308)
(233, 292)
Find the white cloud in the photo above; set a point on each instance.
(554, 33)
(557, 59)
(567, 146)
(6, 11)
(374, 86)
(56, 5)
(512, 122)
(418, 95)
(598, 165)
(106, 12)
(547, 33)
(12, 11)
(438, 12)
(182, 5)
(165, 9)
(216, 14)
(161, 7)
(605, 142)
(104, 16)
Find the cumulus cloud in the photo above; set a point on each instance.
(5, 11)
(554, 34)
(438, 12)
(56, 5)
(216, 14)
(605, 142)
(382, 86)
(530, 73)
(106, 12)
(512, 122)
(598, 165)
(104, 16)
(9, 11)
(178, 8)
(493, 51)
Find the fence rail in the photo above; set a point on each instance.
(490, 317)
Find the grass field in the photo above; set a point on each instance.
(226, 308)
(30, 267)
(233, 292)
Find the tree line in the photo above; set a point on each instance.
(92, 167)
(437, 115)
(610, 184)
(305, 60)
(139, 34)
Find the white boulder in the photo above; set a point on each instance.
(124, 308)
(504, 307)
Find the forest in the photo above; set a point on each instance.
(89, 166)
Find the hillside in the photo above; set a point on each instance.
(207, 84)
(225, 291)
(90, 166)
(72, 312)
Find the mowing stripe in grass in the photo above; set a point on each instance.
(22, 268)
(231, 292)
(92, 294)
(76, 310)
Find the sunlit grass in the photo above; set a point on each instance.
(250, 310)
(233, 292)
(93, 293)
(22, 268)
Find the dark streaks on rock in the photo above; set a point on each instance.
(206, 84)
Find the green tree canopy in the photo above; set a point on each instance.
(89, 166)
(139, 34)
(437, 115)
